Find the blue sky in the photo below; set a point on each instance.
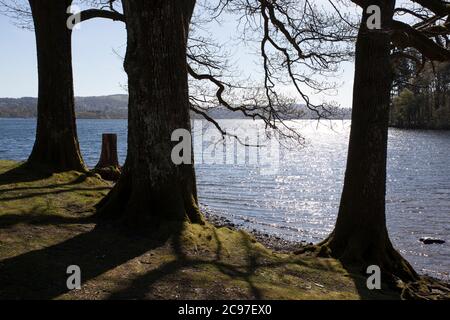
(97, 68)
(97, 64)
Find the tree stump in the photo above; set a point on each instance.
(108, 166)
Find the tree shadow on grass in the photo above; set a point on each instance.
(243, 271)
(55, 192)
(140, 287)
(41, 274)
(360, 280)
(22, 174)
(39, 217)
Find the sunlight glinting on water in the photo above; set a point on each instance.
(300, 200)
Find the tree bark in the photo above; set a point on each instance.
(360, 237)
(153, 191)
(56, 145)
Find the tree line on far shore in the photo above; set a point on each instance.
(422, 96)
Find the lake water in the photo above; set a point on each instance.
(298, 198)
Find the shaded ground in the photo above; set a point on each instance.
(45, 226)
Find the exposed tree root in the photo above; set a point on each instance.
(160, 210)
(397, 273)
(426, 288)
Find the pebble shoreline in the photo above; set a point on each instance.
(270, 241)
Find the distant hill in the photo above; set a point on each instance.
(115, 107)
(103, 107)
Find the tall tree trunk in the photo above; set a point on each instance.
(152, 190)
(360, 237)
(56, 145)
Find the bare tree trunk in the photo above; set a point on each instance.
(361, 238)
(108, 166)
(56, 145)
(152, 190)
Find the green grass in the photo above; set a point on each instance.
(45, 226)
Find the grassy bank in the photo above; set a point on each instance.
(45, 226)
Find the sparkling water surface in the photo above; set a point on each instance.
(299, 201)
